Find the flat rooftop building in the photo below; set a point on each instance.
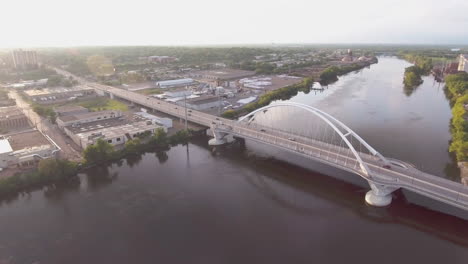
(12, 118)
(202, 102)
(174, 83)
(53, 95)
(25, 149)
(222, 74)
(115, 131)
(86, 117)
(70, 110)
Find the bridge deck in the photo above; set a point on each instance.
(407, 176)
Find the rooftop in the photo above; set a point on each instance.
(202, 100)
(69, 108)
(224, 74)
(116, 131)
(27, 139)
(106, 123)
(56, 90)
(5, 146)
(87, 115)
(10, 111)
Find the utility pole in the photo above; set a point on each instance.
(185, 107)
(219, 101)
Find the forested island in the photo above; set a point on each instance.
(412, 78)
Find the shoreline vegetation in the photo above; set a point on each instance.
(59, 171)
(457, 88)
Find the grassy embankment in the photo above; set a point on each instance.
(457, 88)
(56, 171)
(150, 91)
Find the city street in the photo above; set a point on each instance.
(43, 125)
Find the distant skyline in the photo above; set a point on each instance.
(52, 23)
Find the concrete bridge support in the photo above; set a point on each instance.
(379, 195)
(219, 138)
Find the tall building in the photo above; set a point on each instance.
(463, 63)
(23, 59)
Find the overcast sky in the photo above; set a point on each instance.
(179, 22)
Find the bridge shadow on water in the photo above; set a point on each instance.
(288, 182)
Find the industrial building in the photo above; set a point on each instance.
(463, 63)
(202, 102)
(70, 110)
(25, 149)
(116, 134)
(55, 95)
(115, 131)
(163, 121)
(181, 92)
(12, 118)
(174, 83)
(29, 84)
(221, 77)
(24, 59)
(86, 117)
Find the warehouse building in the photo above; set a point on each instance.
(115, 131)
(221, 77)
(62, 94)
(70, 110)
(12, 118)
(202, 103)
(26, 149)
(86, 117)
(174, 83)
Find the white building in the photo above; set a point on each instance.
(26, 149)
(174, 83)
(115, 135)
(463, 63)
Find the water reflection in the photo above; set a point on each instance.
(295, 189)
(100, 176)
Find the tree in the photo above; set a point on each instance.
(132, 146)
(99, 152)
(55, 168)
(159, 138)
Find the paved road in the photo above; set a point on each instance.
(43, 125)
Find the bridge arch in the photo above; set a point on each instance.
(339, 127)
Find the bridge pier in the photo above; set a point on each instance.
(379, 195)
(219, 139)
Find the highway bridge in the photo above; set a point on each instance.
(326, 140)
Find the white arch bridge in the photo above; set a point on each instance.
(320, 137)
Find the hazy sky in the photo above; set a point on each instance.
(156, 22)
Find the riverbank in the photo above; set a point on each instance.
(331, 74)
(57, 171)
(457, 89)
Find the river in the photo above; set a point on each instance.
(242, 204)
